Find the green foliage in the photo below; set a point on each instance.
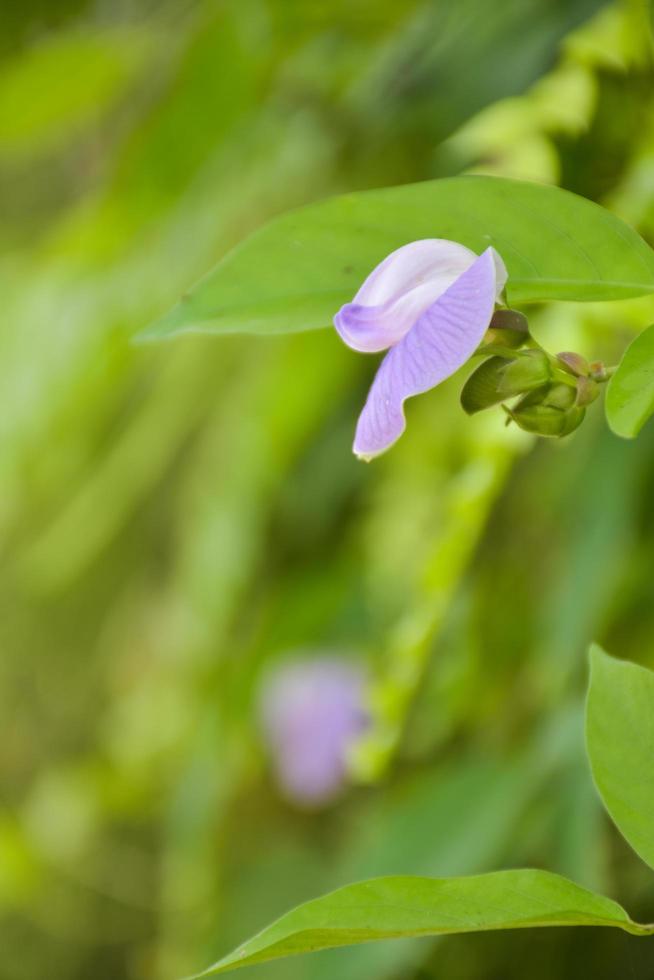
(630, 395)
(390, 908)
(296, 272)
(620, 739)
(64, 84)
(175, 518)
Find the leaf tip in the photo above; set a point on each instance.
(599, 660)
(174, 322)
(596, 652)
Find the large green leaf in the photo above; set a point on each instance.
(620, 739)
(388, 908)
(630, 394)
(294, 273)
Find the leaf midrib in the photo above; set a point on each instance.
(338, 293)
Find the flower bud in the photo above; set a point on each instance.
(560, 396)
(529, 371)
(508, 328)
(482, 389)
(574, 364)
(598, 371)
(573, 419)
(587, 391)
(548, 412)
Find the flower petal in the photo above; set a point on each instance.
(412, 264)
(399, 290)
(311, 711)
(442, 339)
(501, 275)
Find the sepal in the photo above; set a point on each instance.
(530, 370)
(549, 411)
(574, 364)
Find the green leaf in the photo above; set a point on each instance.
(295, 273)
(620, 740)
(395, 907)
(630, 394)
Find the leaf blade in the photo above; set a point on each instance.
(630, 393)
(394, 907)
(620, 742)
(295, 272)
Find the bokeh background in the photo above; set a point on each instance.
(178, 519)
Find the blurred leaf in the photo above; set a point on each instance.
(64, 83)
(412, 92)
(424, 545)
(124, 474)
(620, 738)
(630, 394)
(389, 908)
(294, 273)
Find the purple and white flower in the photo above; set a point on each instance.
(311, 710)
(429, 304)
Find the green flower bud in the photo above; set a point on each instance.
(560, 396)
(508, 328)
(529, 371)
(482, 389)
(573, 419)
(587, 391)
(549, 411)
(543, 420)
(574, 363)
(598, 371)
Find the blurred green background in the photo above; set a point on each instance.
(175, 518)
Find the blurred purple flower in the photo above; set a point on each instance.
(311, 711)
(430, 302)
